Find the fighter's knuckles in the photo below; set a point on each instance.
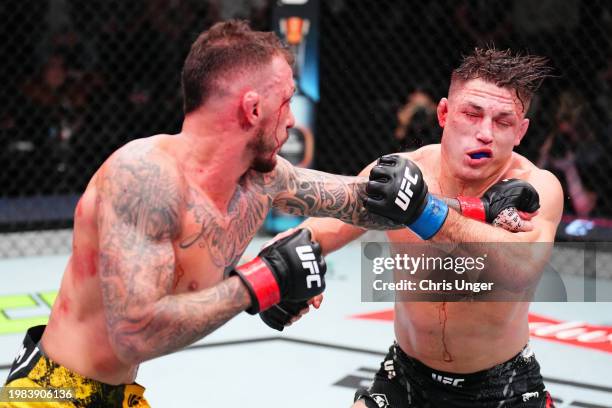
(278, 237)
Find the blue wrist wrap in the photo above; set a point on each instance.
(431, 219)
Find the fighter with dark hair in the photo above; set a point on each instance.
(164, 221)
(465, 354)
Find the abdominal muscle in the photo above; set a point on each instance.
(461, 337)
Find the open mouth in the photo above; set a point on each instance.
(480, 154)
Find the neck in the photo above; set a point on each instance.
(452, 185)
(215, 156)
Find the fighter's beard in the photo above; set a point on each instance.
(264, 159)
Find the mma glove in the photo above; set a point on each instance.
(396, 190)
(290, 269)
(503, 194)
(281, 314)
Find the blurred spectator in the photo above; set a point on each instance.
(87, 143)
(142, 47)
(417, 121)
(544, 16)
(256, 11)
(70, 44)
(52, 130)
(141, 114)
(484, 22)
(41, 126)
(575, 153)
(604, 87)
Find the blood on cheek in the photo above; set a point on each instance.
(278, 120)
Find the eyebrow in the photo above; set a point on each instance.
(480, 109)
(509, 115)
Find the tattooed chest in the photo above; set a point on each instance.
(221, 238)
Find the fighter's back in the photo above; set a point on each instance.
(142, 177)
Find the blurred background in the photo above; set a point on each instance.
(79, 79)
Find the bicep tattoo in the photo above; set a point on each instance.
(146, 197)
(139, 215)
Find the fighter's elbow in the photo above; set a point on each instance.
(521, 280)
(128, 348)
(526, 275)
(128, 339)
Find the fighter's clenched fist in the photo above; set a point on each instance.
(396, 190)
(508, 193)
(290, 269)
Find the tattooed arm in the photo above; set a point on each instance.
(138, 216)
(314, 193)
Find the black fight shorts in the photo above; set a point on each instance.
(404, 382)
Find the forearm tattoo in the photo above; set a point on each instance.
(313, 193)
(180, 320)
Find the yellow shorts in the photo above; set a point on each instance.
(32, 371)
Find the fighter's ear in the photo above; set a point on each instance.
(251, 107)
(442, 111)
(524, 125)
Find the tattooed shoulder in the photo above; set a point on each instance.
(145, 188)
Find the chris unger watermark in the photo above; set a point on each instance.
(413, 266)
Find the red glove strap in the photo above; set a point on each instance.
(262, 282)
(472, 207)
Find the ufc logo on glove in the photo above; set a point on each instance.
(309, 263)
(405, 193)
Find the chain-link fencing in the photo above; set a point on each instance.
(79, 79)
(386, 63)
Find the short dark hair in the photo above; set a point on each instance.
(221, 51)
(522, 73)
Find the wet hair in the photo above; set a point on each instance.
(221, 52)
(522, 73)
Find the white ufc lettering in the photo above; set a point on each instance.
(455, 382)
(20, 355)
(405, 193)
(529, 395)
(389, 368)
(309, 262)
(380, 400)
